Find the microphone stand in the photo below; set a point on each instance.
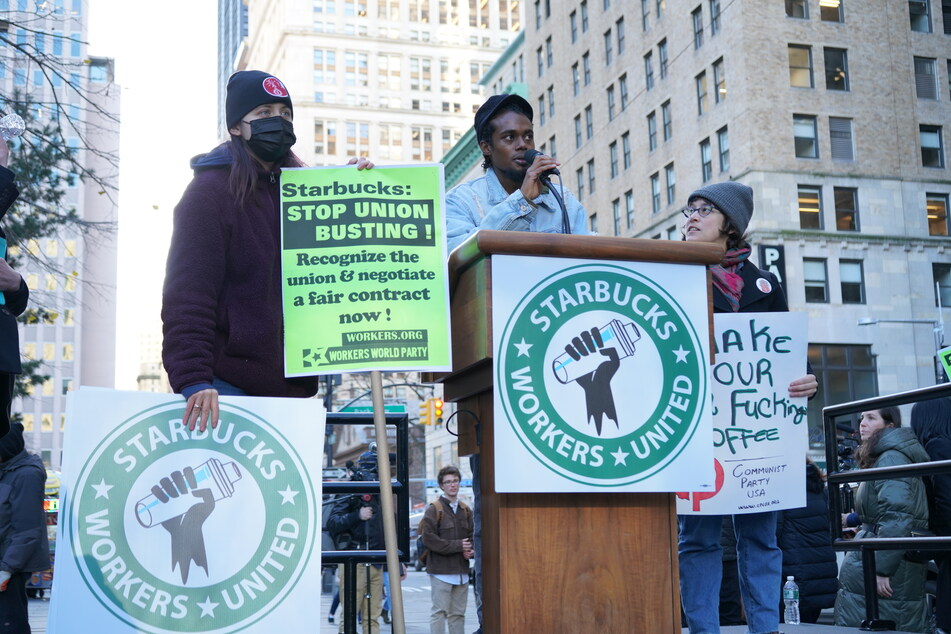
(565, 220)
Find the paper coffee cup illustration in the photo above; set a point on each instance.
(212, 474)
(614, 334)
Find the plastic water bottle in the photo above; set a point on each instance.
(791, 599)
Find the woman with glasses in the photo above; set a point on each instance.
(719, 214)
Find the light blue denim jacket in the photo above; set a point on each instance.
(483, 204)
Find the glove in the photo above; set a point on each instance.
(4, 579)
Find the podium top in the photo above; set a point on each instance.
(490, 242)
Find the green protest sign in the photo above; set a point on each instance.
(364, 270)
(944, 355)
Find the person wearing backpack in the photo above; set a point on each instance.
(446, 529)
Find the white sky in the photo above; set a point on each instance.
(165, 56)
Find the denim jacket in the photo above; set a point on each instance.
(483, 204)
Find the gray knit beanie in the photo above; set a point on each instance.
(734, 200)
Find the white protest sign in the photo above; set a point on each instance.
(760, 435)
(601, 375)
(166, 530)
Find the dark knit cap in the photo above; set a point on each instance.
(487, 110)
(734, 200)
(248, 89)
(12, 444)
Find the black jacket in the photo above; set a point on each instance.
(756, 297)
(344, 522)
(15, 301)
(803, 535)
(24, 545)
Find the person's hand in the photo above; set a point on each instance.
(362, 162)
(4, 152)
(531, 184)
(201, 408)
(403, 572)
(366, 513)
(467, 551)
(9, 279)
(4, 579)
(884, 586)
(804, 386)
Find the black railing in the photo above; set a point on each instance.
(400, 484)
(836, 478)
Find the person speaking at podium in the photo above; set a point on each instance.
(515, 194)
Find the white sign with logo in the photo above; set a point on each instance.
(168, 530)
(760, 435)
(601, 375)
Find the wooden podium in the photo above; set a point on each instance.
(603, 562)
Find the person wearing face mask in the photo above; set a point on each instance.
(221, 301)
(890, 507)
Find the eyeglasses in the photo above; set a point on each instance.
(704, 211)
(450, 481)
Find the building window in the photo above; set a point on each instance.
(615, 167)
(697, 16)
(661, 7)
(852, 282)
(645, 15)
(584, 16)
(538, 14)
(714, 17)
(810, 207)
(797, 9)
(926, 80)
(575, 79)
(936, 207)
(919, 11)
(846, 373)
(932, 152)
(579, 175)
(649, 70)
(706, 160)
(800, 66)
(662, 57)
(573, 19)
(608, 47)
(549, 54)
(816, 280)
(723, 144)
(611, 103)
(541, 110)
(671, 179)
(619, 27)
(946, 12)
(591, 176)
(625, 95)
(593, 223)
(837, 68)
(667, 120)
(586, 66)
(831, 11)
(655, 192)
(846, 208)
(616, 215)
(626, 149)
(551, 101)
(652, 131)
(840, 139)
(588, 123)
(719, 81)
(942, 283)
(629, 207)
(540, 61)
(701, 81)
(805, 136)
(578, 138)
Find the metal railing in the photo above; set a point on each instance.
(869, 546)
(400, 484)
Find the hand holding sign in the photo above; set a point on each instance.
(596, 383)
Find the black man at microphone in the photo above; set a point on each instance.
(514, 194)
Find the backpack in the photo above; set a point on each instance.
(422, 553)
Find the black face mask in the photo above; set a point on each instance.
(271, 138)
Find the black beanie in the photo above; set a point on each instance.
(12, 443)
(248, 89)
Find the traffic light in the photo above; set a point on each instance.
(436, 410)
(424, 415)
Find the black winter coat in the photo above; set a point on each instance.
(24, 544)
(15, 301)
(803, 535)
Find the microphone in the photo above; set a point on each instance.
(530, 158)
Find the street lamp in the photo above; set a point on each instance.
(937, 326)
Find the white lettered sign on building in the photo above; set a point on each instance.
(168, 530)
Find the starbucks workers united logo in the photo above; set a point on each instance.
(179, 531)
(601, 375)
